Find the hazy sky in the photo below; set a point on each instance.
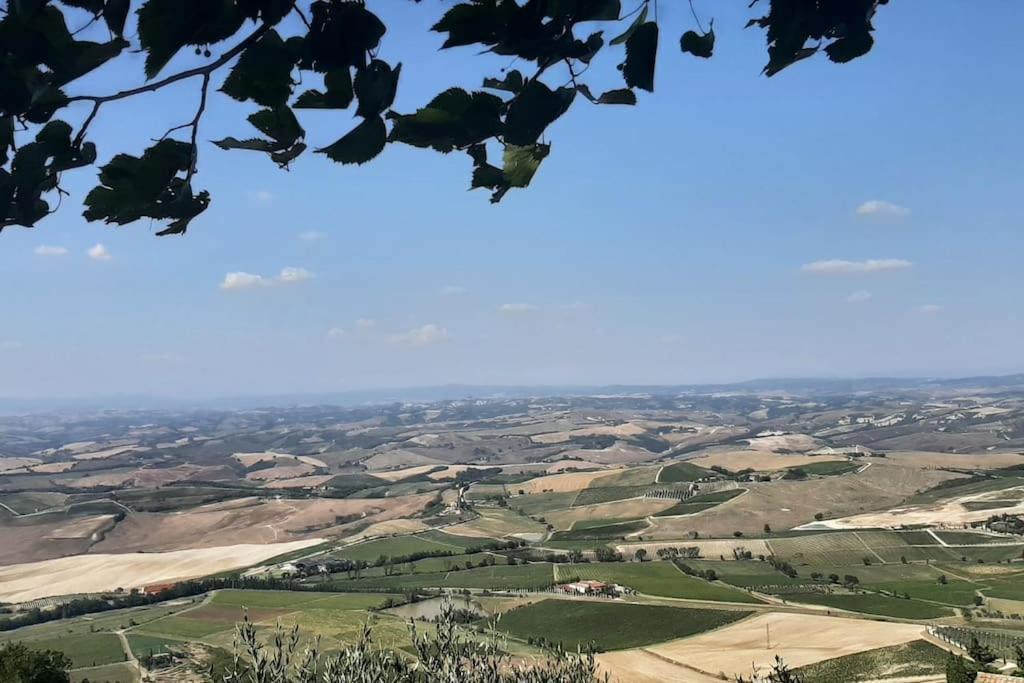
(849, 220)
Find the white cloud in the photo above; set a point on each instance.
(289, 275)
(859, 297)
(243, 280)
(928, 309)
(517, 308)
(47, 250)
(99, 252)
(880, 207)
(311, 236)
(337, 333)
(419, 336)
(366, 324)
(841, 267)
(453, 290)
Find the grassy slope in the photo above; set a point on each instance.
(657, 578)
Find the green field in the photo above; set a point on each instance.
(524, 576)
(609, 626)
(109, 673)
(699, 503)
(968, 538)
(539, 503)
(599, 529)
(918, 658)
(655, 578)
(300, 599)
(91, 649)
(143, 645)
(872, 603)
(455, 540)
(607, 494)
(632, 476)
(682, 471)
(1010, 588)
(746, 574)
(829, 468)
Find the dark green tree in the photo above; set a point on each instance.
(957, 670)
(19, 664)
(260, 51)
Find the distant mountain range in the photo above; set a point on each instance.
(791, 386)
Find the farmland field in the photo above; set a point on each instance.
(299, 600)
(604, 530)
(395, 546)
(528, 576)
(829, 468)
(609, 626)
(108, 673)
(871, 603)
(656, 578)
(91, 649)
(682, 471)
(700, 503)
(917, 658)
(606, 494)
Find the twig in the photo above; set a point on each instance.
(298, 10)
(198, 71)
(696, 18)
(195, 129)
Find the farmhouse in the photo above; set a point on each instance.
(591, 588)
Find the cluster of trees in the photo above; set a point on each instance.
(672, 552)
(605, 554)
(20, 664)
(782, 566)
(706, 574)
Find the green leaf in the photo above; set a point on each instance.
(342, 35)
(533, 110)
(453, 119)
(698, 44)
(115, 13)
(166, 26)
(338, 96)
(620, 96)
(513, 82)
(375, 86)
(521, 163)
(263, 73)
(641, 55)
(640, 19)
(360, 144)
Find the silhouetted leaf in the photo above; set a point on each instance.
(278, 123)
(115, 13)
(267, 11)
(263, 73)
(513, 82)
(375, 86)
(455, 118)
(361, 144)
(847, 49)
(166, 26)
(620, 96)
(467, 23)
(342, 34)
(533, 110)
(585, 10)
(338, 96)
(624, 36)
(698, 44)
(641, 55)
(254, 144)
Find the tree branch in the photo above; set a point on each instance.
(190, 73)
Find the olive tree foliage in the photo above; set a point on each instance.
(443, 655)
(267, 53)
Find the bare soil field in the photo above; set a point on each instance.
(641, 666)
(30, 543)
(281, 472)
(762, 461)
(398, 457)
(251, 521)
(785, 442)
(788, 504)
(800, 639)
(987, 460)
(250, 459)
(396, 475)
(562, 465)
(108, 452)
(948, 513)
(625, 429)
(617, 454)
(569, 481)
(389, 528)
(16, 464)
(97, 573)
(82, 527)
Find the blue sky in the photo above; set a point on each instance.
(711, 233)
